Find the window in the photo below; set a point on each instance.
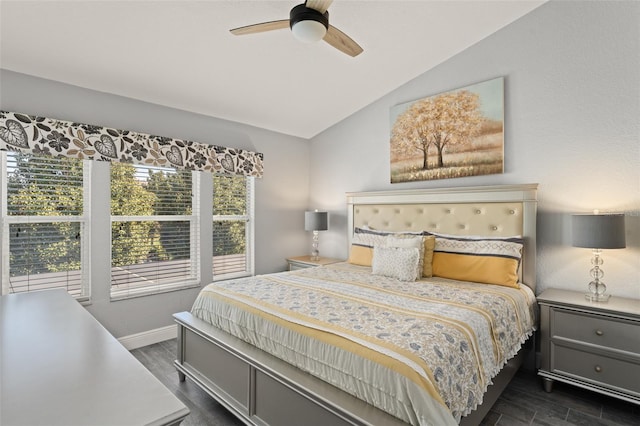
(154, 230)
(233, 220)
(154, 221)
(45, 238)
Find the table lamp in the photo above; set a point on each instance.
(316, 221)
(598, 232)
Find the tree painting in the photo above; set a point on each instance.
(453, 134)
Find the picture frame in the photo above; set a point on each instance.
(452, 134)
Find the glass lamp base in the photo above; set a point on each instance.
(597, 297)
(597, 288)
(315, 253)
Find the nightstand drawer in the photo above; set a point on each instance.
(597, 330)
(603, 370)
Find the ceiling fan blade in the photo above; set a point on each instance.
(342, 42)
(260, 28)
(319, 5)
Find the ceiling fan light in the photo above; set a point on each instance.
(309, 31)
(308, 25)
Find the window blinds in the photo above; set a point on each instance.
(154, 226)
(232, 226)
(44, 220)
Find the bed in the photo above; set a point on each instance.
(389, 350)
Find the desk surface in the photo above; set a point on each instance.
(59, 366)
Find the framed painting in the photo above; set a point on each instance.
(452, 134)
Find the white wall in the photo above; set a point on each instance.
(572, 114)
(281, 195)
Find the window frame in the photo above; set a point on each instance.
(172, 284)
(83, 220)
(249, 219)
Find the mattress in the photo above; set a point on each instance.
(423, 351)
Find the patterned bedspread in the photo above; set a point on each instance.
(423, 351)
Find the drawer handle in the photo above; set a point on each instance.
(598, 369)
(599, 332)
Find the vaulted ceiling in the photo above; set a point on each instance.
(181, 54)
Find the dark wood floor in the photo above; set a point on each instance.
(524, 402)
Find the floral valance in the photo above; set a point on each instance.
(47, 136)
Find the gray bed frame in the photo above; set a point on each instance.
(263, 390)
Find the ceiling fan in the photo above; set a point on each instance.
(309, 22)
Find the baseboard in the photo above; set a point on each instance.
(150, 337)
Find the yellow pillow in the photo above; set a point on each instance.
(360, 255)
(427, 266)
(362, 245)
(489, 261)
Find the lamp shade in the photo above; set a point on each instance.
(598, 231)
(316, 221)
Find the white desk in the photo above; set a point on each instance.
(59, 366)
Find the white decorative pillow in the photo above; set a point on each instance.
(365, 238)
(516, 238)
(396, 262)
(408, 241)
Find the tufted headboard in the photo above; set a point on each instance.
(499, 211)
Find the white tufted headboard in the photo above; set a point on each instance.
(504, 210)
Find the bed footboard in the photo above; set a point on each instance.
(263, 390)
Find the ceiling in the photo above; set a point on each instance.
(180, 54)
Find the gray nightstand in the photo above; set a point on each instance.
(301, 262)
(592, 345)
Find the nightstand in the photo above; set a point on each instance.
(592, 345)
(301, 262)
